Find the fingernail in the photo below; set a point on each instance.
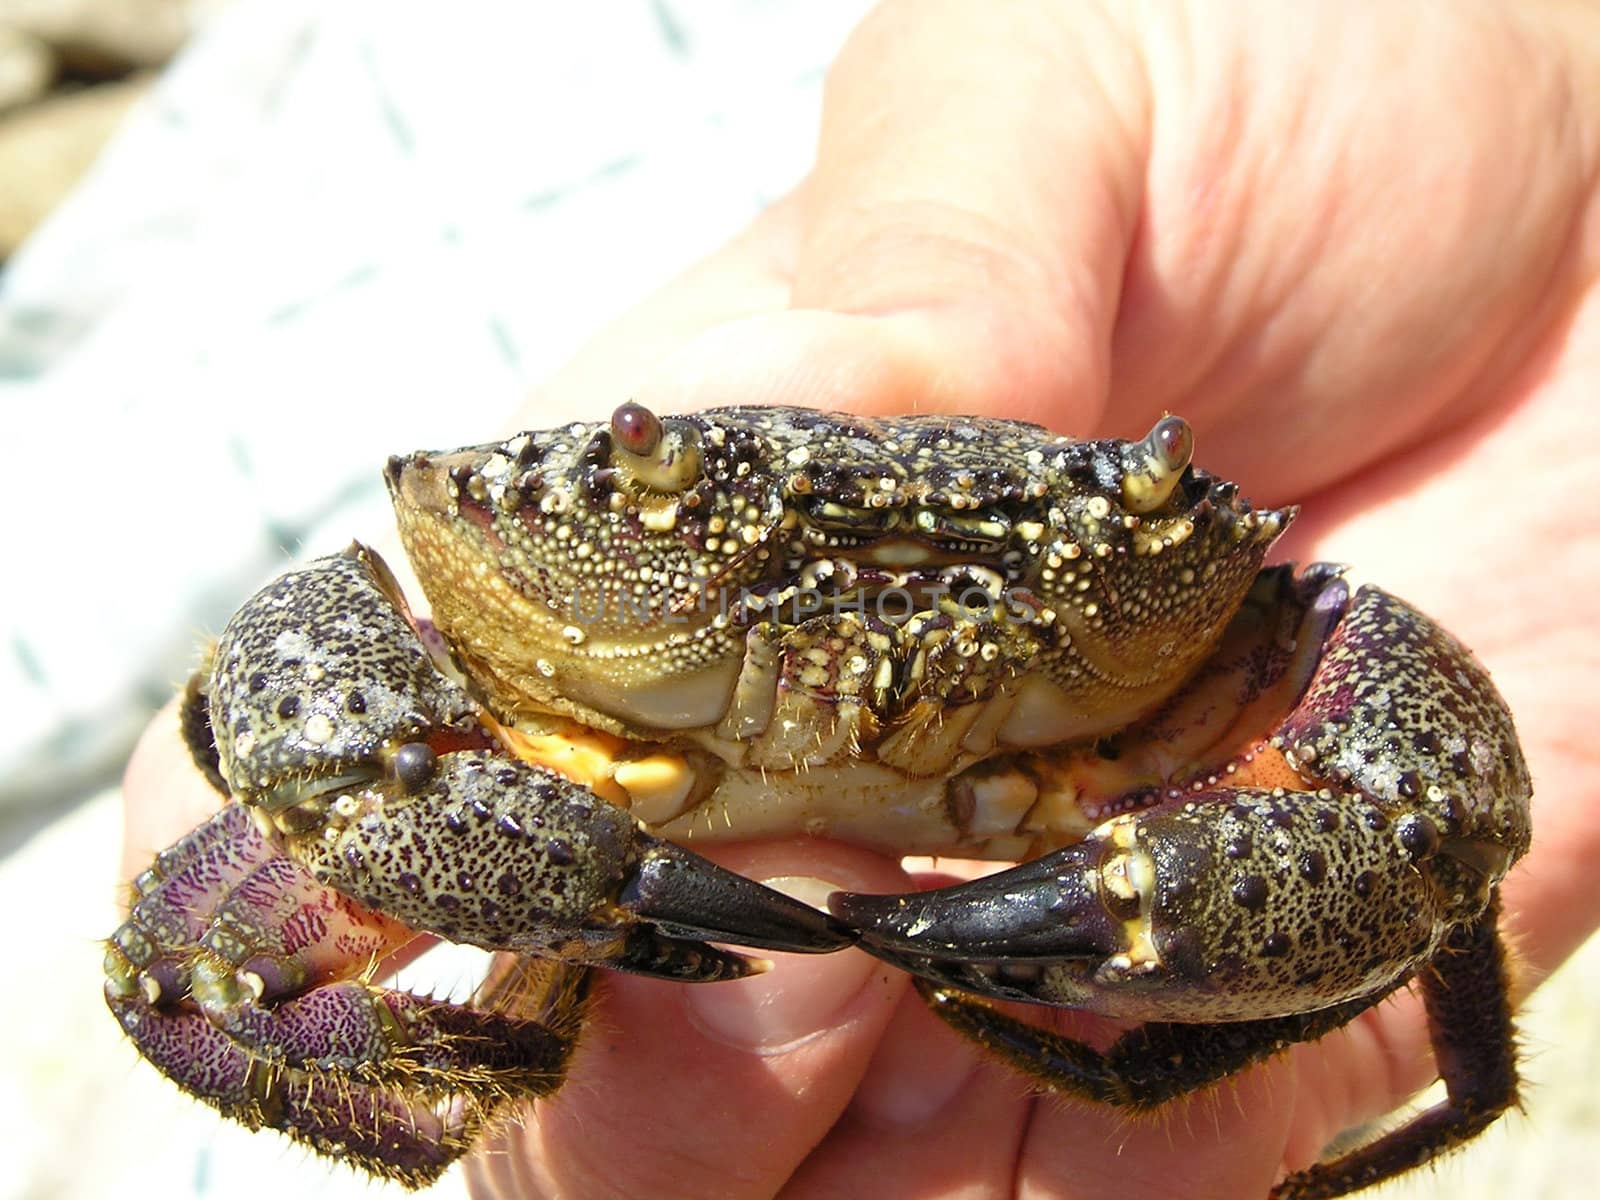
(800, 997)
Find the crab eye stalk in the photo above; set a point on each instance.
(1153, 466)
(661, 455)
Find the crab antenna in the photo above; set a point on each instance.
(1153, 465)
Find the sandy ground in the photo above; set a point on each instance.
(85, 1118)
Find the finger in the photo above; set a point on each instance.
(916, 286)
(717, 1090)
(1311, 284)
(991, 223)
(750, 274)
(933, 1116)
(984, 285)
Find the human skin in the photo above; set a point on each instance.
(1354, 244)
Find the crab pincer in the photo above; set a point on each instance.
(372, 806)
(1241, 910)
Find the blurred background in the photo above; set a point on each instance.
(247, 249)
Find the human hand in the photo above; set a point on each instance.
(1353, 246)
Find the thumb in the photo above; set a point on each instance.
(991, 288)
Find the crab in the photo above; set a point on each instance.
(1247, 801)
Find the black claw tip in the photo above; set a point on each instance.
(684, 896)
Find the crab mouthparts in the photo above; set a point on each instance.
(894, 587)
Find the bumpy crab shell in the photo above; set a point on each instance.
(1254, 801)
(818, 622)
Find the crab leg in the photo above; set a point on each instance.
(239, 971)
(1469, 1014)
(1160, 916)
(397, 1084)
(236, 975)
(1143, 1068)
(381, 774)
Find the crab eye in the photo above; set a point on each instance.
(662, 455)
(1153, 465)
(1172, 440)
(635, 428)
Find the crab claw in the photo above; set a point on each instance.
(329, 719)
(685, 897)
(998, 936)
(507, 855)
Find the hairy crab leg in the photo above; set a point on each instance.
(1469, 1015)
(1467, 998)
(1145, 1067)
(399, 1085)
(235, 975)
